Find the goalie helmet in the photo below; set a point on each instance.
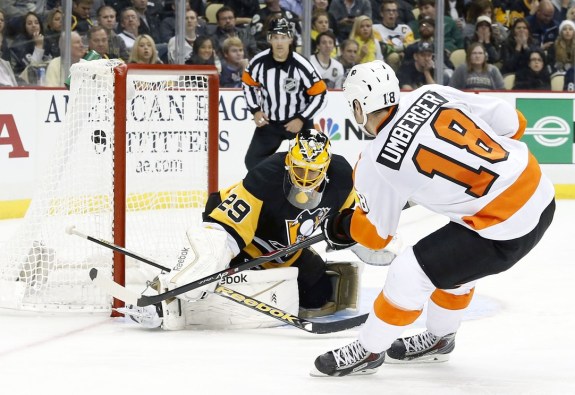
(279, 26)
(375, 87)
(306, 162)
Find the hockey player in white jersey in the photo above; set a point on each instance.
(456, 154)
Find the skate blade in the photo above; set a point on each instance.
(435, 358)
(316, 373)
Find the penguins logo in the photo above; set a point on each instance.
(311, 148)
(305, 224)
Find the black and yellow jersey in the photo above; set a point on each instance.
(257, 214)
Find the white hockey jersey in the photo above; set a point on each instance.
(455, 154)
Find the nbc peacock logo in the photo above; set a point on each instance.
(328, 127)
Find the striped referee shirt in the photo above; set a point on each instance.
(283, 90)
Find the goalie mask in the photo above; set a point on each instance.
(307, 161)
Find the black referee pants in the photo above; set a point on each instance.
(267, 139)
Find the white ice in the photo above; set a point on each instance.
(518, 338)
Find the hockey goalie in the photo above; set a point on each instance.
(281, 201)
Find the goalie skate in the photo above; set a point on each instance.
(421, 348)
(350, 360)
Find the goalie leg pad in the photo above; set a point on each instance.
(344, 277)
(274, 287)
(207, 253)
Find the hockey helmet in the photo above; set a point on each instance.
(306, 162)
(374, 85)
(279, 26)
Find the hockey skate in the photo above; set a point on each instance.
(421, 348)
(147, 316)
(352, 359)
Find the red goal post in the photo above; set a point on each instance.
(134, 162)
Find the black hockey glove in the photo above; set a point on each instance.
(336, 229)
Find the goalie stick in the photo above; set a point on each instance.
(128, 296)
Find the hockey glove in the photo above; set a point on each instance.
(336, 229)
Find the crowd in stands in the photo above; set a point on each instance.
(485, 41)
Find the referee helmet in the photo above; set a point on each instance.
(279, 26)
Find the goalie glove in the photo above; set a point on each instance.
(336, 229)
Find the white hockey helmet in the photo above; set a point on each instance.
(374, 85)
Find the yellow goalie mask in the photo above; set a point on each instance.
(306, 162)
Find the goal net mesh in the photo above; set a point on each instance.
(166, 176)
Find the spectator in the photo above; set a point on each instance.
(203, 53)
(561, 54)
(345, 12)
(227, 28)
(476, 74)
(244, 10)
(536, 75)
(322, 5)
(192, 32)
(484, 35)
(54, 26)
(368, 39)
(294, 6)
(54, 76)
(395, 36)
(569, 83)
(4, 49)
(144, 51)
(427, 33)
(81, 21)
(405, 11)
(544, 29)
(116, 46)
(7, 77)
(260, 23)
(29, 48)
(98, 41)
(168, 24)
(452, 38)
(570, 16)
(16, 10)
(413, 75)
(476, 9)
(330, 70)
(149, 22)
(233, 64)
(320, 24)
(130, 22)
(348, 50)
(515, 50)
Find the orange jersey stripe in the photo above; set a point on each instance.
(247, 79)
(317, 88)
(365, 233)
(510, 201)
(387, 312)
(450, 301)
(522, 126)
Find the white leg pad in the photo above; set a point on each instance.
(275, 287)
(207, 253)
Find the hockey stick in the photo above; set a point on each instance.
(128, 296)
(146, 300)
(73, 231)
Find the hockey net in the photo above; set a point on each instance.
(133, 163)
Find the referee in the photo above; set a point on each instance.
(283, 91)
